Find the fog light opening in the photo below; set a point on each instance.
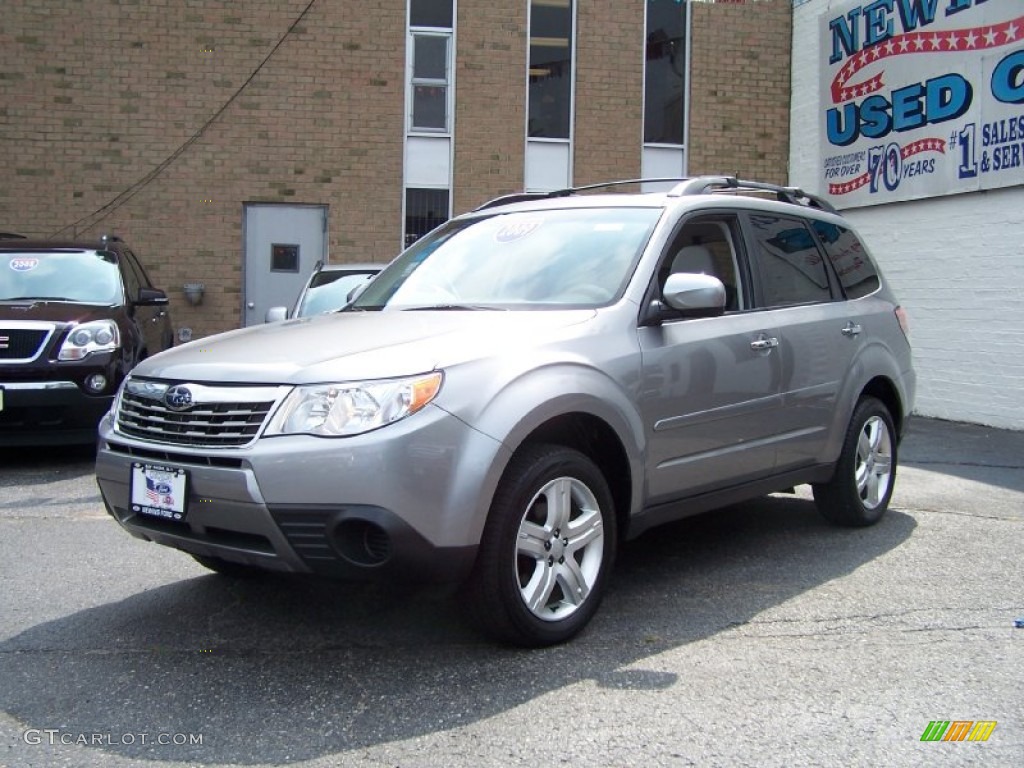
(362, 542)
(96, 383)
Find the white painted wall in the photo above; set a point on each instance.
(955, 262)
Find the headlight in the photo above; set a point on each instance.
(98, 336)
(350, 408)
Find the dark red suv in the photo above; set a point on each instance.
(75, 317)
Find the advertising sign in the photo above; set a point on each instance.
(921, 98)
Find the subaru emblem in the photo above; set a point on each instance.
(178, 398)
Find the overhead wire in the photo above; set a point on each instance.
(94, 218)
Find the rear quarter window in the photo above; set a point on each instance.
(857, 272)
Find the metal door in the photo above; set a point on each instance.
(282, 245)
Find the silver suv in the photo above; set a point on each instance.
(522, 390)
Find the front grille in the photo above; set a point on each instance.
(22, 344)
(224, 420)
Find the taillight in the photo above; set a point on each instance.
(901, 316)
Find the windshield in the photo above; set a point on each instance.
(329, 290)
(83, 277)
(552, 259)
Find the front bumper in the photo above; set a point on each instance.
(407, 501)
(48, 412)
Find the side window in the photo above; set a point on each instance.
(849, 258)
(130, 270)
(707, 245)
(787, 258)
(144, 280)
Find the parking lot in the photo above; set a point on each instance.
(758, 635)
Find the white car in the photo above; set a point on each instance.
(329, 288)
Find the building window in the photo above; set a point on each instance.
(430, 81)
(665, 72)
(550, 94)
(430, 13)
(284, 258)
(425, 209)
(430, 65)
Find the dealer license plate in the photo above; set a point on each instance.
(159, 491)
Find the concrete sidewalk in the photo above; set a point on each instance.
(934, 441)
(964, 469)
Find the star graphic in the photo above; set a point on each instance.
(936, 42)
(953, 42)
(1011, 32)
(971, 39)
(889, 48)
(919, 42)
(990, 36)
(904, 44)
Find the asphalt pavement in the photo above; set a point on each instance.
(757, 635)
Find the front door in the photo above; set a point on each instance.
(282, 245)
(710, 390)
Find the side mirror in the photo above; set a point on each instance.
(150, 297)
(688, 295)
(276, 314)
(356, 292)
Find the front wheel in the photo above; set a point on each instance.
(859, 492)
(546, 550)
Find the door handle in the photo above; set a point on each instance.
(764, 344)
(852, 329)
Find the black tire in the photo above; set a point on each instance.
(228, 568)
(524, 551)
(859, 492)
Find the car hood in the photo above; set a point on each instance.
(54, 311)
(349, 346)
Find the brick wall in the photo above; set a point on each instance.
(740, 89)
(104, 109)
(490, 110)
(95, 95)
(609, 91)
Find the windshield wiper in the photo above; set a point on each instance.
(34, 298)
(449, 308)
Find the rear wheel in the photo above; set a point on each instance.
(546, 550)
(859, 492)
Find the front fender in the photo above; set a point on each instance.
(516, 407)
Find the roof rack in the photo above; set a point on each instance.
(685, 185)
(702, 185)
(522, 197)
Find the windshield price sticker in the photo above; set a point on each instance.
(516, 230)
(159, 491)
(21, 264)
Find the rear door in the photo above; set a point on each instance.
(817, 342)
